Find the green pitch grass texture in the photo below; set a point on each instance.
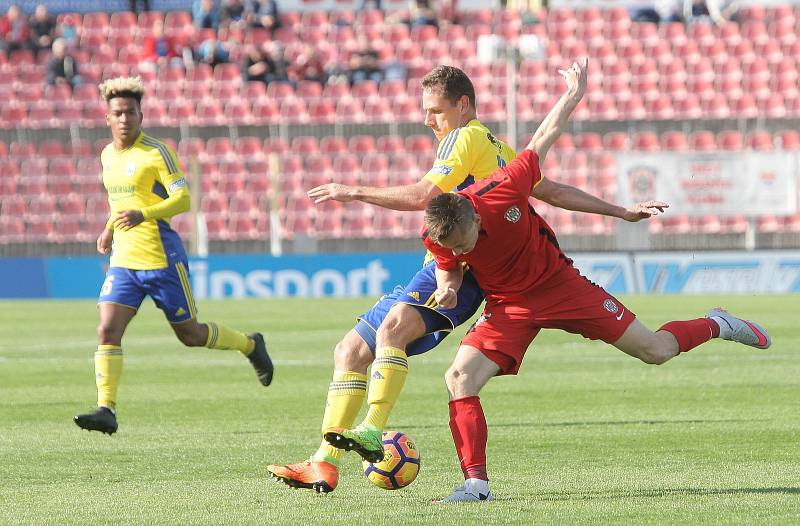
(583, 435)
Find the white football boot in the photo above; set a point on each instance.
(738, 330)
(473, 490)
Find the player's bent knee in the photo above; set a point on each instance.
(352, 354)
(108, 335)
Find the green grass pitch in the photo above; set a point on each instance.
(583, 435)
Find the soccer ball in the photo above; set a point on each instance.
(400, 463)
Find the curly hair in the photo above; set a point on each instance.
(453, 82)
(126, 87)
(445, 213)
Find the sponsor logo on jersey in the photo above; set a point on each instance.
(441, 169)
(513, 214)
(414, 295)
(130, 169)
(180, 312)
(610, 306)
(180, 183)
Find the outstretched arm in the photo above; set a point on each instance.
(408, 197)
(571, 198)
(555, 122)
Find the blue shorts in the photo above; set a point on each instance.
(419, 293)
(169, 287)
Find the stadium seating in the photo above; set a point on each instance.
(59, 182)
(641, 73)
(717, 65)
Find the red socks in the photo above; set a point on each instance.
(692, 333)
(470, 433)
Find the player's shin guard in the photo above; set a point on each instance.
(691, 333)
(224, 338)
(470, 434)
(389, 372)
(107, 371)
(346, 394)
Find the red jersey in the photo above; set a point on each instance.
(517, 250)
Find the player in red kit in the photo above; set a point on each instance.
(531, 285)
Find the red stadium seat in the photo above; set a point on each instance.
(265, 111)
(646, 141)
(674, 141)
(702, 141)
(22, 149)
(616, 141)
(730, 140)
(305, 145)
(788, 139)
(219, 148)
(419, 143)
(248, 147)
(321, 111)
(759, 140)
(293, 111)
(333, 144)
(389, 144)
(361, 144)
(276, 145)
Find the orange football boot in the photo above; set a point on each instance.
(318, 475)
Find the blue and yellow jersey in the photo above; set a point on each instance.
(145, 177)
(466, 155)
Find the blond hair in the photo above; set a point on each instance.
(127, 87)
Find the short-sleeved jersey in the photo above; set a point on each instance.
(516, 250)
(466, 155)
(140, 176)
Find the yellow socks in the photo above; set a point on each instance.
(221, 337)
(107, 370)
(389, 372)
(346, 394)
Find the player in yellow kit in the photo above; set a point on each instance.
(145, 188)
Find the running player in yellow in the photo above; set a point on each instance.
(145, 188)
(467, 152)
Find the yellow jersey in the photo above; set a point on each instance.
(466, 155)
(145, 177)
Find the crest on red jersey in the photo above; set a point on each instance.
(513, 214)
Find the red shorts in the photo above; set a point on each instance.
(569, 302)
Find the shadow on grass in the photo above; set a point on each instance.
(654, 493)
(606, 423)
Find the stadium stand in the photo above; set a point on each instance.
(642, 74)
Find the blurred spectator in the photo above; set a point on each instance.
(264, 63)
(67, 30)
(134, 5)
(375, 4)
(364, 62)
(205, 14)
(61, 68)
(42, 27)
(236, 12)
(308, 66)
(158, 48)
(13, 30)
(718, 11)
(212, 51)
(266, 15)
(661, 11)
(421, 13)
